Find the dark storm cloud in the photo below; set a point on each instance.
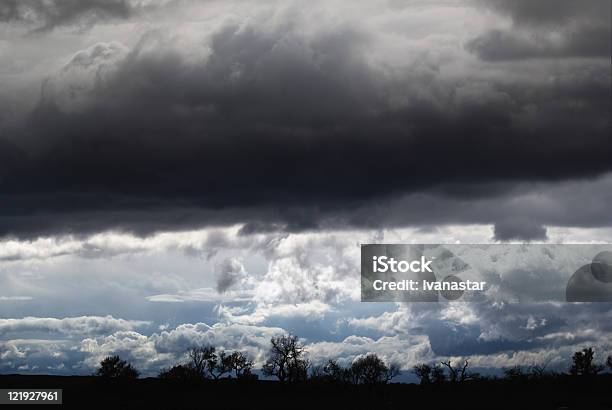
(275, 127)
(47, 14)
(496, 45)
(516, 230)
(547, 29)
(554, 13)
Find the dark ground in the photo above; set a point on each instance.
(92, 392)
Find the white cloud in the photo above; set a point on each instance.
(169, 347)
(306, 282)
(15, 298)
(259, 313)
(203, 295)
(72, 326)
(404, 350)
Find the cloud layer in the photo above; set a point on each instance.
(265, 117)
(160, 293)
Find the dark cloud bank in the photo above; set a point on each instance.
(279, 130)
(547, 28)
(48, 14)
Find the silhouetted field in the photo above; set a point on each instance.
(562, 392)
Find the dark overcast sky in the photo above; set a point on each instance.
(168, 115)
(219, 162)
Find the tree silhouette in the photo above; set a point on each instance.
(515, 373)
(335, 372)
(437, 374)
(113, 367)
(210, 365)
(286, 359)
(199, 357)
(331, 372)
(371, 369)
(583, 363)
(240, 364)
(218, 365)
(609, 362)
(459, 374)
(205, 363)
(182, 373)
(538, 371)
(423, 372)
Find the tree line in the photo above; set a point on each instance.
(583, 364)
(287, 362)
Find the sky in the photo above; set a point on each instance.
(180, 172)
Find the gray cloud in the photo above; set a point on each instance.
(516, 230)
(229, 272)
(180, 136)
(552, 12)
(547, 29)
(497, 45)
(46, 15)
(288, 126)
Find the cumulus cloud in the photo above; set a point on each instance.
(500, 335)
(490, 336)
(403, 350)
(38, 356)
(151, 353)
(432, 334)
(263, 312)
(168, 347)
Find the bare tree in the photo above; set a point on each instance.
(209, 364)
(459, 374)
(328, 372)
(298, 370)
(240, 364)
(200, 357)
(583, 363)
(437, 374)
(423, 372)
(218, 364)
(334, 372)
(287, 359)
